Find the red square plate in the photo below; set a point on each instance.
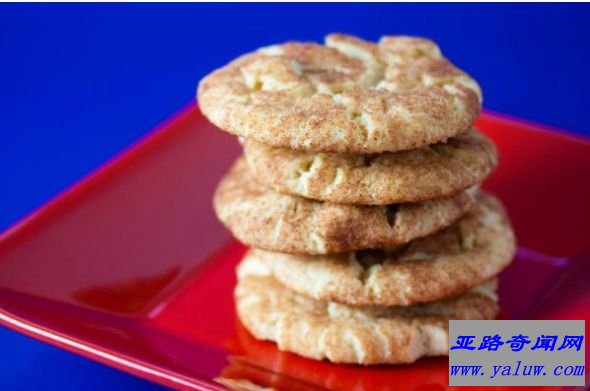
(130, 267)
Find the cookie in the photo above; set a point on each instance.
(344, 334)
(263, 218)
(444, 264)
(435, 171)
(348, 95)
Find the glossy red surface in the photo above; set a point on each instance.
(131, 268)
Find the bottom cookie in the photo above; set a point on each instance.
(356, 335)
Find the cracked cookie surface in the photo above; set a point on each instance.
(344, 334)
(348, 95)
(446, 263)
(263, 218)
(435, 171)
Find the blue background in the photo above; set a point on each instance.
(80, 82)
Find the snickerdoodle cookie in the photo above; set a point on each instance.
(443, 264)
(263, 218)
(434, 171)
(344, 334)
(348, 95)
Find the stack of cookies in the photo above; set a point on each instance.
(358, 193)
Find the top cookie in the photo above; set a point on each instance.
(348, 96)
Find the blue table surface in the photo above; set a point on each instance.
(81, 82)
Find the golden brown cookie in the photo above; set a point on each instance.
(348, 95)
(444, 264)
(344, 334)
(263, 218)
(435, 171)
